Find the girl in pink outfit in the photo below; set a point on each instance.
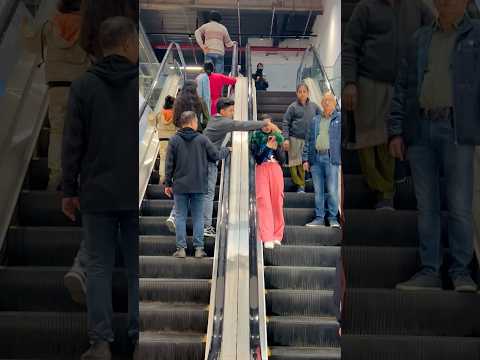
(266, 147)
(217, 82)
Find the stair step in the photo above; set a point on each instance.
(155, 225)
(381, 347)
(309, 256)
(171, 345)
(156, 316)
(175, 290)
(164, 207)
(304, 353)
(302, 331)
(170, 267)
(318, 236)
(300, 303)
(301, 278)
(164, 245)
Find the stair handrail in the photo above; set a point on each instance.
(258, 317)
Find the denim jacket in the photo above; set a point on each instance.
(465, 62)
(335, 137)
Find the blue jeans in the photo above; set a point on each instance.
(436, 150)
(217, 60)
(210, 195)
(102, 231)
(196, 202)
(325, 180)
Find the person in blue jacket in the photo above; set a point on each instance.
(322, 157)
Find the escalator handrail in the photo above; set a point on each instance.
(217, 293)
(258, 336)
(8, 15)
(160, 71)
(234, 69)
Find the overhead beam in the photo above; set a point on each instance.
(266, 5)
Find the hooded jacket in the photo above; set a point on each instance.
(58, 41)
(100, 141)
(186, 166)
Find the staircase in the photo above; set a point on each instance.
(379, 251)
(38, 319)
(175, 293)
(301, 275)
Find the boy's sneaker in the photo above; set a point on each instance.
(76, 284)
(269, 245)
(318, 222)
(171, 224)
(301, 190)
(421, 281)
(209, 231)
(464, 283)
(277, 243)
(180, 254)
(334, 224)
(386, 204)
(98, 351)
(200, 253)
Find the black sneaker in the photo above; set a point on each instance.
(421, 281)
(180, 254)
(209, 231)
(464, 283)
(98, 351)
(76, 284)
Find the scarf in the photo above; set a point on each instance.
(68, 26)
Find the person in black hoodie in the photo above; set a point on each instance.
(100, 151)
(186, 176)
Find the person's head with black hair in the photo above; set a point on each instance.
(187, 100)
(119, 36)
(214, 16)
(169, 101)
(226, 107)
(303, 93)
(209, 67)
(94, 12)
(188, 119)
(69, 6)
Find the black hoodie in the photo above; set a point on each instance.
(100, 141)
(186, 165)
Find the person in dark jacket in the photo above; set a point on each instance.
(261, 83)
(376, 37)
(434, 123)
(186, 178)
(266, 146)
(322, 157)
(100, 147)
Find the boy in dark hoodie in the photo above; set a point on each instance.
(186, 176)
(100, 143)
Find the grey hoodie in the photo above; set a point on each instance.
(218, 128)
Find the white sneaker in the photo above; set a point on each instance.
(171, 224)
(277, 243)
(269, 245)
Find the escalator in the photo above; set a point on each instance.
(300, 277)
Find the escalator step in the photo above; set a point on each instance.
(42, 289)
(171, 346)
(322, 256)
(309, 278)
(170, 267)
(379, 267)
(165, 245)
(175, 290)
(320, 236)
(153, 225)
(42, 208)
(173, 317)
(37, 176)
(42, 334)
(164, 207)
(274, 108)
(302, 331)
(428, 313)
(300, 303)
(378, 347)
(304, 353)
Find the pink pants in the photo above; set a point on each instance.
(269, 186)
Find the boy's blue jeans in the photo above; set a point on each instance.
(102, 232)
(217, 60)
(437, 150)
(182, 202)
(325, 183)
